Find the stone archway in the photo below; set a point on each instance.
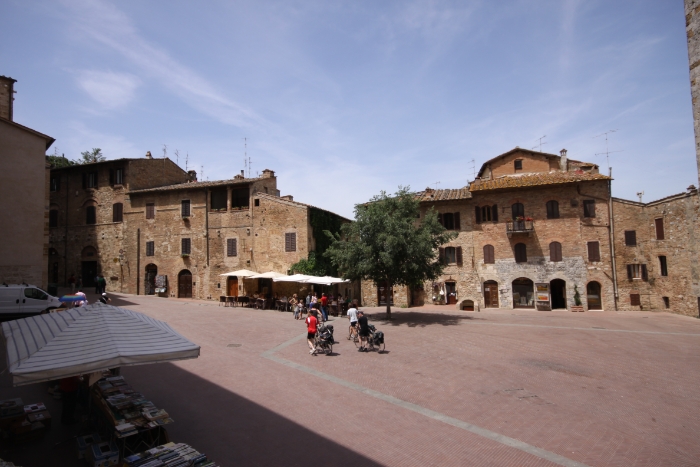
(184, 284)
(490, 294)
(523, 293)
(149, 286)
(593, 296)
(557, 290)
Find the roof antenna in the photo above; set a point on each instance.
(165, 150)
(187, 160)
(201, 169)
(473, 166)
(540, 143)
(640, 194)
(436, 185)
(607, 152)
(177, 156)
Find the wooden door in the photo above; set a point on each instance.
(491, 294)
(184, 285)
(232, 289)
(383, 291)
(451, 290)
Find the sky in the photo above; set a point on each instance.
(344, 99)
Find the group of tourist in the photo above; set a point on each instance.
(359, 326)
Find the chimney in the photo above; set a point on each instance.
(7, 97)
(267, 173)
(148, 155)
(563, 162)
(287, 197)
(191, 176)
(243, 173)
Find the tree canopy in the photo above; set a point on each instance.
(389, 243)
(92, 156)
(57, 161)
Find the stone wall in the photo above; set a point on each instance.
(692, 26)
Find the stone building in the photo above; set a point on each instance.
(692, 26)
(151, 228)
(24, 196)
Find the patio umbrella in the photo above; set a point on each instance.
(325, 280)
(86, 340)
(240, 273)
(292, 278)
(71, 298)
(267, 275)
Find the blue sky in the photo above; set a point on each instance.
(344, 99)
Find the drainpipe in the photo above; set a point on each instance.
(138, 261)
(611, 235)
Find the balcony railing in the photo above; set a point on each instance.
(520, 227)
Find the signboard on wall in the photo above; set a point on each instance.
(542, 296)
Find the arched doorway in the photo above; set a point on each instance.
(490, 294)
(523, 293)
(557, 288)
(149, 285)
(593, 297)
(451, 292)
(88, 263)
(467, 305)
(184, 284)
(232, 286)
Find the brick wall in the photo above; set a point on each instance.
(692, 23)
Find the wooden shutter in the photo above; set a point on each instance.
(630, 272)
(477, 214)
(588, 208)
(635, 299)
(456, 217)
(91, 215)
(659, 228)
(186, 208)
(664, 267)
(441, 251)
(231, 247)
(440, 219)
(150, 248)
(186, 246)
(458, 251)
(645, 274)
(117, 212)
(150, 211)
(593, 251)
(555, 252)
(630, 237)
(290, 241)
(489, 256)
(494, 213)
(520, 253)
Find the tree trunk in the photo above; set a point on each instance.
(389, 298)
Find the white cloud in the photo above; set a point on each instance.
(110, 90)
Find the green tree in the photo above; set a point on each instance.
(388, 243)
(57, 161)
(92, 156)
(309, 266)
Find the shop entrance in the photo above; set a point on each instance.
(523, 293)
(451, 291)
(557, 289)
(88, 266)
(184, 284)
(593, 297)
(232, 286)
(149, 280)
(490, 294)
(382, 292)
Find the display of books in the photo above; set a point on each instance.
(153, 415)
(169, 455)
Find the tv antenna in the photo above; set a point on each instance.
(246, 160)
(607, 151)
(177, 156)
(165, 150)
(640, 194)
(201, 170)
(187, 160)
(540, 143)
(436, 185)
(473, 167)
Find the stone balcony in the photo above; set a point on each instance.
(520, 228)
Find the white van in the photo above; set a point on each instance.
(20, 301)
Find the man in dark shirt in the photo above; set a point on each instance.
(364, 330)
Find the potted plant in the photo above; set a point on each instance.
(185, 255)
(577, 300)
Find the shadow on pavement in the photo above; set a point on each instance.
(420, 319)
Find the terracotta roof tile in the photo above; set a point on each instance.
(535, 179)
(196, 185)
(430, 194)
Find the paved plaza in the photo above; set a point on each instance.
(497, 387)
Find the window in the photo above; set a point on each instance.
(449, 220)
(150, 248)
(90, 180)
(231, 247)
(218, 200)
(637, 272)
(552, 209)
(451, 255)
(486, 213)
(667, 302)
(150, 210)
(185, 208)
(90, 215)
(659, 223)
(593, 251)
(520, 253)
(290, 241)
(635, 300)
(631, 237)
(186, 246)
(117, 212)
(662, 266)
(588, 208)
(53, 218)
(55, 183)
(518, 210)
(555, 251)
(116, 176)
(518, 164)
(36, 294)
(240, 198)
(257, 202)
(489, 254)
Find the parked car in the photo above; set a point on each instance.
(22, 300)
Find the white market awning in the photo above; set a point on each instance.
(325, 280)
(240, 273)
(88, 339)
(293, 278)
(268, 275)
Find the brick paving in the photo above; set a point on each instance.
(595, 388)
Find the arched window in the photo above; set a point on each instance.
(486, 214)
(552, 209)
(117, 212)
(91, 215)
(520, 253)
(518, 210)
(555, 251)
(489, 254)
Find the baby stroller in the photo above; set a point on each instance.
(324, 339)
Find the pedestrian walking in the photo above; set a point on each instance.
(324, 307)
(104, 298)
(102, 284)
(364, 330)
(311, 323)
